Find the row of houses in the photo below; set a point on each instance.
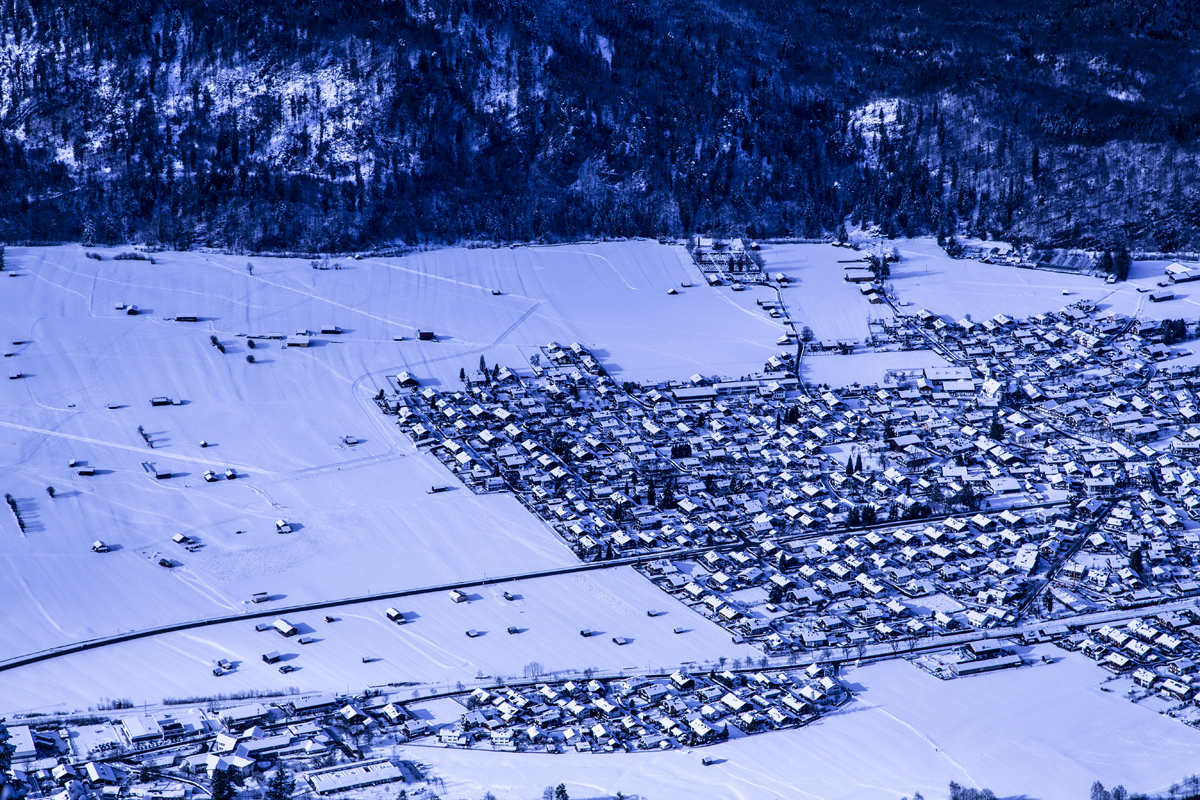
(641, 713)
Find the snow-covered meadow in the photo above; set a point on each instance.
(361, 517)
(1042, 732)
(363, 521)
(431, 649)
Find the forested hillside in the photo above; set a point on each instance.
(303, 125)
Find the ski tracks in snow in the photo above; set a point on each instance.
(102, 443)
(611, 266)
(605, 596)
(37, 603)
(922, 737)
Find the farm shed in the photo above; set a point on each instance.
(285, 628)
(985, 665)
(357, 775)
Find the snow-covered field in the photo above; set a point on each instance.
(1041, 732)
(818, 295)
(926, 278)
(363, 521)
(431, 649)
(838, 370)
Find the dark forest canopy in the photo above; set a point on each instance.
(337, 125)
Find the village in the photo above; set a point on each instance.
(1031, 496)
(1044, 476)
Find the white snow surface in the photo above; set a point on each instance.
(432, 648)
(363, 521)
(926, 278)
(361, 517)
(818, 295)
(1039, 732)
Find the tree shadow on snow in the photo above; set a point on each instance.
(29, 514)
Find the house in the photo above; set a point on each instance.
(102, 774)
(239, 764)
(313, 704)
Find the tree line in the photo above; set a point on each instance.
(353, 123)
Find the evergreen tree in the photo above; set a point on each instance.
(1121, 264)
(858, 463)
(849, 466)
(560, 792)
(462, 374)
(1106, 263)
(222, 786)
(483, 367)
(7, 748)
(666, 500)
(281, 786)
(996, 430)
